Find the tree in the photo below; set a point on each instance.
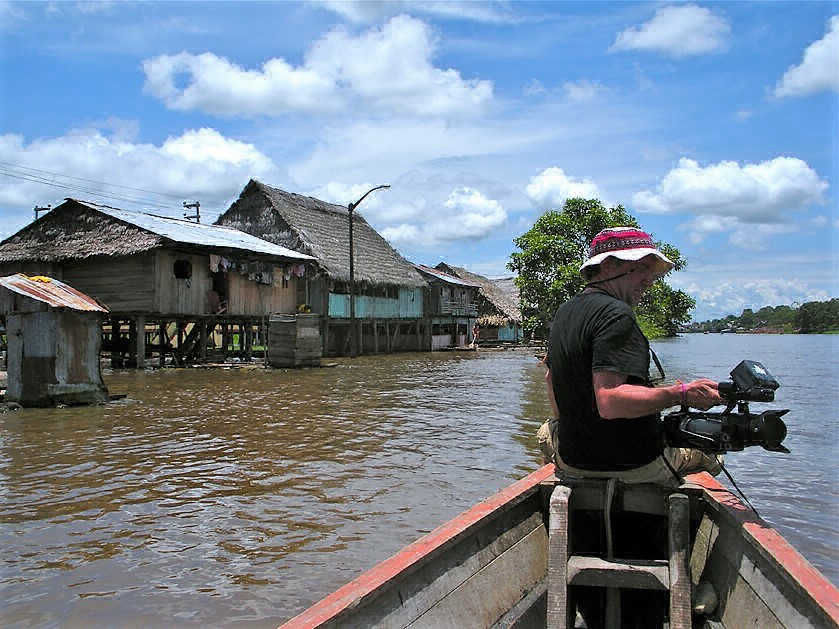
(553, 250)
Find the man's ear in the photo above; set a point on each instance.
(609, 265)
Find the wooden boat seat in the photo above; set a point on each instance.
(609, 497)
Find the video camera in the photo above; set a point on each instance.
(728, 431)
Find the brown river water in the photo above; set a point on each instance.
(237, 497)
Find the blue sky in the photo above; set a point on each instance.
(715, 124)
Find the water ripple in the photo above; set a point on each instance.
(238, 497)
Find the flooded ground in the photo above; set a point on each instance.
(237, 497)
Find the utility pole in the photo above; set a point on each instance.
(41, 209)
(355, 333)
(197, 207)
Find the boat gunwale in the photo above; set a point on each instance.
(413, 556)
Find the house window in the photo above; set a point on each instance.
(183, 269)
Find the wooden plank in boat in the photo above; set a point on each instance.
(438, 583)
(487, 595)
(646, 574)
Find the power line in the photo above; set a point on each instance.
(42, 172)
(40, 176)
(99, 194)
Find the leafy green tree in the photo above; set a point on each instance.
(553, 250)
(748, 319)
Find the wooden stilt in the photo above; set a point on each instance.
(161, 330)
(140, 349)
(115, 343)
(248, 341)
(225, 339)
(202, 353)
(375, 336)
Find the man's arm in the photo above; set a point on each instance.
(616, 399)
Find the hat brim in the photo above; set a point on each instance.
(632, 255)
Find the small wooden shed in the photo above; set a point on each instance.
(54, 338)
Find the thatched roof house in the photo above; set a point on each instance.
(319, 229)
(145, 264)
(77, 230)
(499, 299)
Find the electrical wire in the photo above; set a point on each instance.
(77, 185)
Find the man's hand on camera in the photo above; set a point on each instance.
(702, 394)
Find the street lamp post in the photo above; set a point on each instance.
(354, 338)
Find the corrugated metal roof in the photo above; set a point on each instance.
(440, 275)
(51, 291)
(187, 232)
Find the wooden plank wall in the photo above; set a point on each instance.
(180, 296)
(123, 284)
(247, 297)
(32, 268)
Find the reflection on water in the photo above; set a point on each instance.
(238, 497)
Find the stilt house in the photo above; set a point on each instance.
(499, 313)
(389, 303)
(453, 308)
(54, 340)
(179, 277)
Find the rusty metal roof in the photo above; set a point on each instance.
(51, 291)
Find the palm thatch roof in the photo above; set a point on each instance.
(80, 229)
(319, 229)
(499, 303)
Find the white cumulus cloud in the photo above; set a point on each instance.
(467, 214)
(753, 193)
(388, 68)
(217, 86)
(678, 31)
(88, 164)
(551, 187)
(818, 70)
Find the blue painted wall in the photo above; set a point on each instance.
(510, 332)
(407, 306)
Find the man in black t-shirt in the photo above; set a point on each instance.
(606, 411)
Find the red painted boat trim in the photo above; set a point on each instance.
(341, 599)
(822, 591)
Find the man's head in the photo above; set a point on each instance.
(626, 259)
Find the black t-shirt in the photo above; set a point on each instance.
(593, 332)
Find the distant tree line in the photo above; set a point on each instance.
(808, 318)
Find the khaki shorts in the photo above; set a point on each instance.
(682, 461)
